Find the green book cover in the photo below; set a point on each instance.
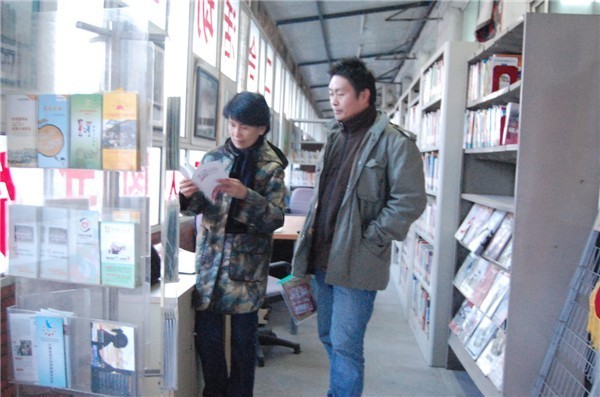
(86, 131)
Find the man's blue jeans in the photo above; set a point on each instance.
(342, 317)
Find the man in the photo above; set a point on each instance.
(369, 189)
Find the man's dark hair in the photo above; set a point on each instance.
(355, 71)
(249, 108)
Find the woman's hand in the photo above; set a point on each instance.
(187, 187)
(232, 187)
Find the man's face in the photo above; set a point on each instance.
(344, 100)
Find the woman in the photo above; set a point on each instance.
(234, 243)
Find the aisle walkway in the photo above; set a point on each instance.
(394, 364)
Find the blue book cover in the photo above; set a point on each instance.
(50, 351)
(53, 131)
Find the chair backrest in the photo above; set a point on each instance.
(300, 200)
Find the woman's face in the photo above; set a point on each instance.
(244, 136)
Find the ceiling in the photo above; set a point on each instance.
(318, 33)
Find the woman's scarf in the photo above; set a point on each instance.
(244, 169)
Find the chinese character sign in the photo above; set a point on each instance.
(206, 28)
(229, 47)
(269, 76)
(253, 51)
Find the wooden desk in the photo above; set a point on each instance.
(290, 229)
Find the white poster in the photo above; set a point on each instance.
(269, 75)
(206, 27)
(253, 51)
(229, 47)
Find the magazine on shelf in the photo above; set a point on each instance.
(480, 337)
(496, 293)
(491, 359)
(119, 253)
(24, 240)
(472, 320)
(501, 311)
(481, 239)
(50, 351)
(468, 221)
(466, 268)
(21, 130)
(86, 131)
(53, 131)
(120, 131)
(483, 285)
(22, 330)
(474, 278)
(113, 358)
(56, 243)
(84, 266)
(498, 242)
(458, 322)
(505, 258)
(477, 225)
(298, 296)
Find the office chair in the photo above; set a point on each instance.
(266, 337)
(300, 200)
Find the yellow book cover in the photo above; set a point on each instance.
(120, 131)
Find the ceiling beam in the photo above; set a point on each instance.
(374, 55)
(346, 14)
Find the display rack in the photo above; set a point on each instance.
(94, 308)
(424, 272)
(553, 201)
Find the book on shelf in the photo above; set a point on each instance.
(510, 133)
(86, 128)
(56, 243)
(505, 70)
(480, 337)
(21, 130)
(113, 368)
(477, 215)
(22, 333)
(24, 240)
(483, 236)
(84, 266)
(53, 131)
(50, 351)
(119, 253)
(120, 131)
(498, 242)
(491, 360)
(496, 293)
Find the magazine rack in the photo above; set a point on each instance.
(111, 305)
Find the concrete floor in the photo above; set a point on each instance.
(394, 363)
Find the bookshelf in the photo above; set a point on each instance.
(108, 298)
(549, 181)
(422, 264)
(304, 155)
